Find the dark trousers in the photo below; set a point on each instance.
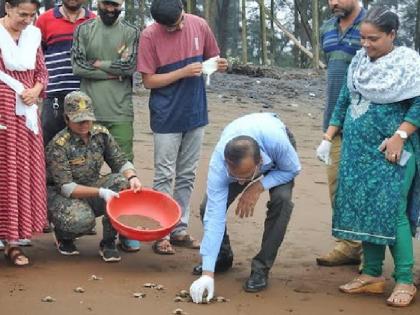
(279, 210)
(52, 120)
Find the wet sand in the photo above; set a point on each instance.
(296, 284)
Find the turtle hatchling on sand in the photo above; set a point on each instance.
(149, 285)
(139, 295)
(179, 311)
(79, 290)
(48, 299)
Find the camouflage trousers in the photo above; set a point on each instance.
(73, 217)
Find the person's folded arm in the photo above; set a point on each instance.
(81, 66)
(124, 66)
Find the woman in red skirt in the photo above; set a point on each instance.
(23, 77)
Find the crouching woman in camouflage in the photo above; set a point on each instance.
(77, 193)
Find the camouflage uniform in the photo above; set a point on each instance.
(71, 161)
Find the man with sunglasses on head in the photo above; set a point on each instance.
(170, 59)
(255, 153)
(104, 55)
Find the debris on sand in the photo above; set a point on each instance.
(48, 299)
(95, 277)
(139, 295)
(179, 311)
(79, 290)
(183, 294)
(221, 299)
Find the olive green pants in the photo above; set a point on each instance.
(123, 133)
(349, 248)
(402, 250)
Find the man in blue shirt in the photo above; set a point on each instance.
(255, 153)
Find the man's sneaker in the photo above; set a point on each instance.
(67, 247)
(109, 252)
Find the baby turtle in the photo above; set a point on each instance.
(139, 295)
(48, 299)
(179, 311)
(149, 285)
(178, 299)
(183, 293)
(221, 299)
(79, 290)
(160, 287)
(95, 277)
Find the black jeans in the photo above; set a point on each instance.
(279, 210)
(52, 120)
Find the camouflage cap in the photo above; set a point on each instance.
(115, 1)
(78, 107)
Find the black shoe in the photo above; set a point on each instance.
(67, 247)
(221, 266)
(109, 251)
(256, 282)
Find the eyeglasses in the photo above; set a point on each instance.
(243, 179)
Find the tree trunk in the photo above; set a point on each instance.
(244, 34)
(207, 10)
(297, 24)
(417, 36)
(273, 33)
(315, 33)
(223, 26)
(294, 39)
(189, 6)
(304, 20)
(263, 32)
(142, 13)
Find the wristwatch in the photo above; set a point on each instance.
(403, 134)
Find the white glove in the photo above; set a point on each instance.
(199, 286)
(107, 194)
(323, 152)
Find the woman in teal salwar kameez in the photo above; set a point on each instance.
(378, 194)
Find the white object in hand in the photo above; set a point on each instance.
(210, 67)
(2, 127)
(107, 194)
(199, 286)
(323, 152)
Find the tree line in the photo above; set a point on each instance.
(271, 32)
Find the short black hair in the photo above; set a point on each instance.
(382, 18)
(241, 147)
(15, 3)
(166, 12)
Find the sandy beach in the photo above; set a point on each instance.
(296, 284)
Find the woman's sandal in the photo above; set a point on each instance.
(14, 256)
(364, 285)
(402, 290)
(163, 247)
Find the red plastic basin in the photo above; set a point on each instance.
(148, 203)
